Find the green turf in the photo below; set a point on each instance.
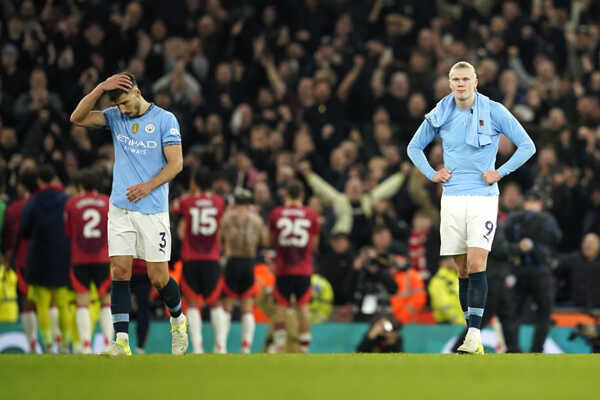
(290, 377)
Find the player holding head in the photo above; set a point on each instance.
(469, 125)
(200, 252)
(14, 247)
(240, 233)
(294, 233)
(148, 155)
(86, 218)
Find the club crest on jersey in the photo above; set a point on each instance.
(149, 128)
(135, 128)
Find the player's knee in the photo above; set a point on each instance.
(159, 281)
(121, 272)
(476, 266)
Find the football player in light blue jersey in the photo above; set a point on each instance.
(148, 156)
(469, 125)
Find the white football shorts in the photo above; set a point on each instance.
(145, 236)
(467, 221)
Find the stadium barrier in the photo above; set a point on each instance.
(327, 338)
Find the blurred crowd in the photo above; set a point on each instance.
(330, 91)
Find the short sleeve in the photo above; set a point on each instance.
(170, 130)
(111, 114)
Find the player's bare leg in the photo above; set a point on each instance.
(221, 340)
(158, 272)
(476, 265)
(83, 322)
(280, 331)
(120, 305)
(304, 335)
(248, 324)
(463, 283)
(195, 320)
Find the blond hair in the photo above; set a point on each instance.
(462, 64)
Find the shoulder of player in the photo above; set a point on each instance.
(498, 111)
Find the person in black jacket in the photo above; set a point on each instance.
(384, 336)
(370, 282)
(534, 235)
(48, 255)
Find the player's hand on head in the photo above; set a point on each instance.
(442, 175)
(491, 177)
(117, 81)
(137, 192)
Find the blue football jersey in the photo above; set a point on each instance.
(139, 156)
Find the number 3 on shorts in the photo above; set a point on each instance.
(163, 240)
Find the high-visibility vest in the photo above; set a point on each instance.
(411, 296)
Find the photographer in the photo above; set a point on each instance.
(370, 283)
(384, 336)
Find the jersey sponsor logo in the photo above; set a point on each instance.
(145, 144)
(135, 128)
(149, 128)
(175, 131)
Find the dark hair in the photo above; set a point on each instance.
(46, 173)
(28, 179)
(295, 189)
(242, 196)
(203, 178)
(114, 94)
(380, 228)
(89, 179)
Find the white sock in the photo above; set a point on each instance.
(474, 333)
(29, 321)
(225, 322)
(84, 325)
(106, 324)
(123, 336)
(304, 339)
(54, 323)
(248, 327)
(280, 340)
(195, 320)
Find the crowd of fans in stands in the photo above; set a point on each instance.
(327, 90)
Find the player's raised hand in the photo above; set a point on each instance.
(491, 177)
(441, 175)
(137, 192)
(117, 81)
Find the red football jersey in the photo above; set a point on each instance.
(292, 231)
(11, 238)
(202, 214)
(86, 220)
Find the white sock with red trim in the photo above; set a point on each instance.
(195, 320)
(84, 327)
(29, 321)
(248, 328)
(106, 324)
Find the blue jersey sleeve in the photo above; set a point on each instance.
(111, 114)
(507, 124)
(170, 130)
(424, 135)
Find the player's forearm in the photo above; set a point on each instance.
(523, 153)
(167, 174)
(86, 105)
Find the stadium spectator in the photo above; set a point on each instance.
(534, 235)
(383, 336)
(443, 295)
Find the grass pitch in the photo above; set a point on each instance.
(290, 377)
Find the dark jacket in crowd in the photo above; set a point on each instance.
(42, 223)
(541, 228)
